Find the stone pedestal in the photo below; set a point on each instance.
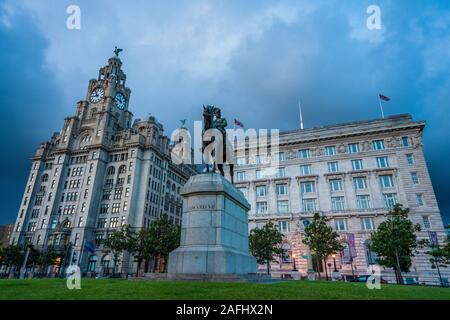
(214, 231)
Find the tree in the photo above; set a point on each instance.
(165, 237)
(439, 259)
(47, 257)
(118, 242)
(265, 244)
(141, 246)
(13, 256)
(321, 239)
(395, 241)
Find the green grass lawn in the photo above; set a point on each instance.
(107, 289)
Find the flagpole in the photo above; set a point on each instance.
(301, 116)
(381, 106)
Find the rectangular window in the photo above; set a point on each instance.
(80, 222)
(281, 172)
(304, 154)
(124, 221)
(101, 223)
(104, 208)
(117, 194)
(360, 183)
(378, 145)
(386, 181)
(336, 185)
(106, 194)
(426, 222)
(410, 159)
(330, 151)
(283, 226)
(240, 161)
(244, 191)
(420, 201)
(240, 176)
(282, 206)
(280, 156)
(259, 175)
(282, 189)
(405, 142)
(308, 187)
(382, 162)
(260, 159)
(261, 207)
(261, 191)
(44, 224)
(114, 222)
(341, 224)
(390, 200)
(115, 208)
(337, 203)
(309, 205)
(363, 202)
(367, 224)
(353, 148)
(333, 166)
(305, 170)
(414, 178)
(357, 164)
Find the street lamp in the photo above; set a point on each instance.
(334, 261)
(293, 257)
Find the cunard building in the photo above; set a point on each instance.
(101, 171)
(352, 173)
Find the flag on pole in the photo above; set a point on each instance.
(384, 98)
(238, 123)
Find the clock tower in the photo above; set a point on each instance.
(105, 108)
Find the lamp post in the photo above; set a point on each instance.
(334, 261)
(293, 257)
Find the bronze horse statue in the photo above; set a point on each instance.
(212, 119)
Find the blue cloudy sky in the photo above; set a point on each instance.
(253, 58)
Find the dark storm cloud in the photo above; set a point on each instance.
(30, 98)
(253, 58)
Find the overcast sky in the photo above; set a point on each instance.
(255, 59)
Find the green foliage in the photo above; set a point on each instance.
(165, 236)
(141, 246)
(119, 241)
(395, 241)
(321, 239)
(265, 244)
(12, 256)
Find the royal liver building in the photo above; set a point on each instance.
(100, 172)
(353, 173)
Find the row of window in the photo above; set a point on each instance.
(337, 203)
(333, 167)
(115, 207)
(341, 224)
(331, 150)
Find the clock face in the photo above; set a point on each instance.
(97, 95)
(120, 101)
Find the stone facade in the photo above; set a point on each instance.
(100, 172)
(352, 173)
(5, 234)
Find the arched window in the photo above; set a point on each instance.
(371, 256)
(92, 263)
(111, 170)
(122, 169)
(105, 261)
(286, 255)
(45, 178)
(93, 112)
(173, 187)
